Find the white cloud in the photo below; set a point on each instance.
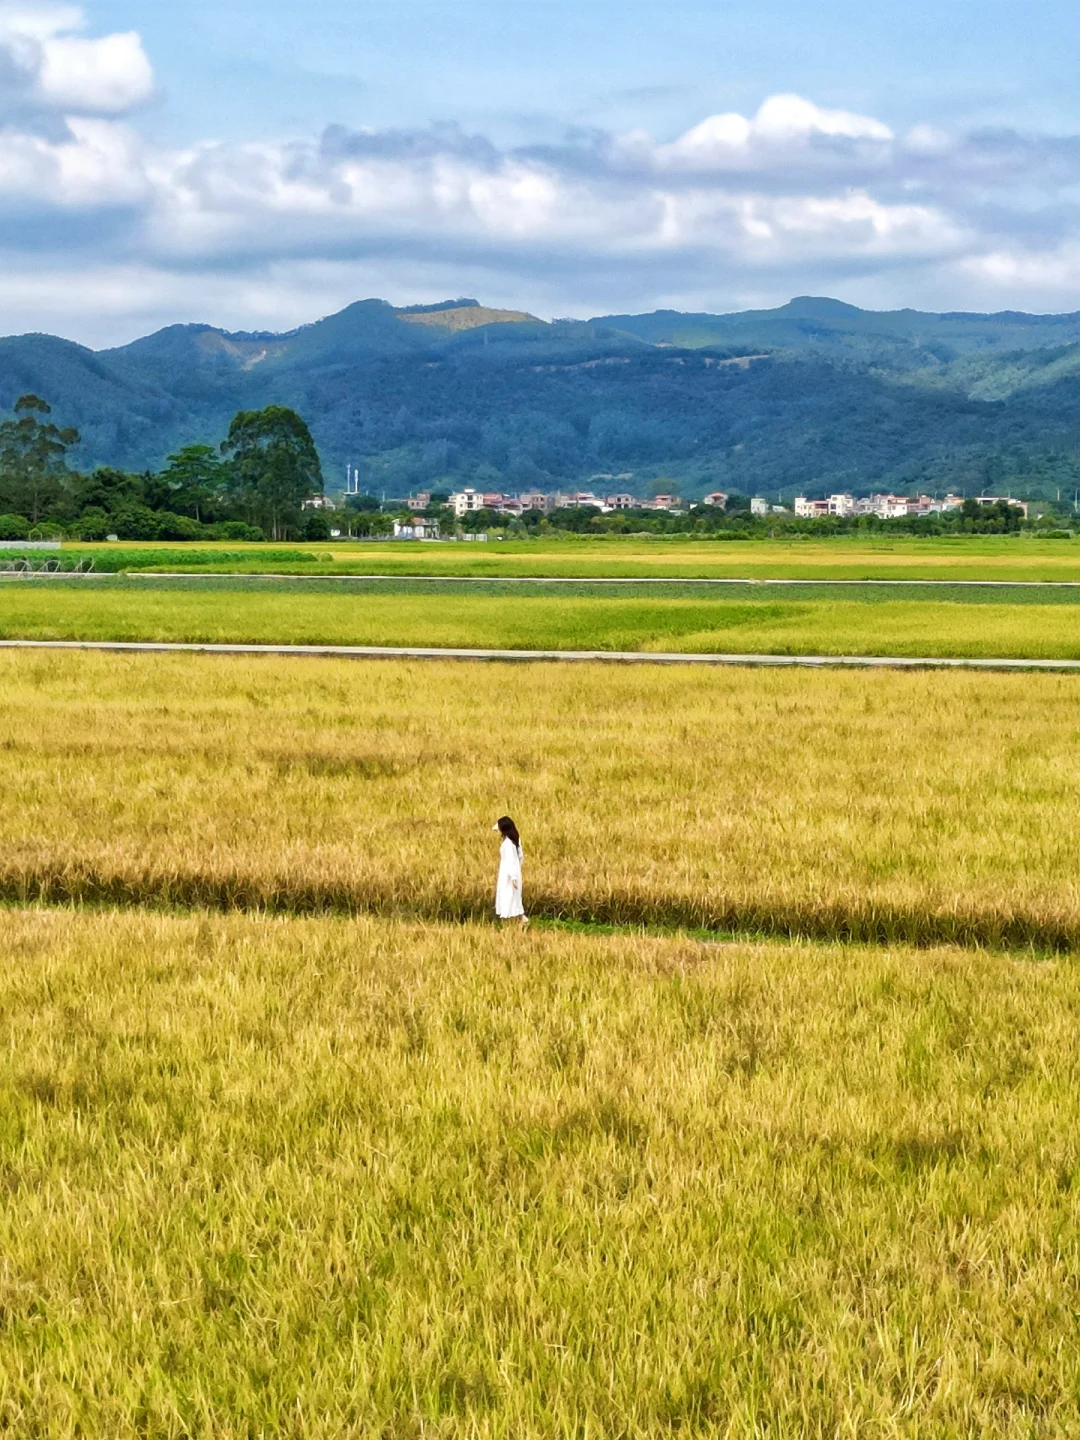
(51, 64)
(106, 76)
(98, 164)
(739, 209)
(783, 124)
(785, 117)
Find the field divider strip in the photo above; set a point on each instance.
(605, 657)
(584, 580)
(872, 922)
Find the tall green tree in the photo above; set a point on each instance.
(274, 466)
(191, 483)
(33, 452)
(108, 489)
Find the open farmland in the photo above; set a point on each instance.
(919, 806)
(335, 1178)
(1022, 557)
(768, 1127)
(1030, 623)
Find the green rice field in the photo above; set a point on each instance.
(1037, 622)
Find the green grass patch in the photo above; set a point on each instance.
(115, 559)
(1026, 624)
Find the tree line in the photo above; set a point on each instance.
(257, 484)
(253, 485)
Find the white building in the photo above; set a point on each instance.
(841, 505)
(417, 529)
(466, 502)
(884, 506)
(577, 499)
(810, 509)
(759, 506)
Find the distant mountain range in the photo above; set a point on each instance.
(811, 396)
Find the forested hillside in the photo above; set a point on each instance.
(813, 395)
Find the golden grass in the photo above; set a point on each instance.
(856, 557)
(466, 317)
(329, 1178)
(919, 806)
(849, 557)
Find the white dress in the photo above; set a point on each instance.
(508, 904)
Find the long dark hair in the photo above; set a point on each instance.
(509, 830)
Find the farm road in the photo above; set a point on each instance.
(609, 657)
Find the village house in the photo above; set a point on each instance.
(576, 499)
(1002, 500)
(416, 529)
(810, 509)
(717, 498)
(466, 502)
(884, 506)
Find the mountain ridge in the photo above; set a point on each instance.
(423, 396)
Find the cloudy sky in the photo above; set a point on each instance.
(256, 163)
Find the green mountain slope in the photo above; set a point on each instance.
(812, 395)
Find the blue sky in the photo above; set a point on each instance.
(258, 164)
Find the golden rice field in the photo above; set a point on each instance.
(781, 1139)
(852, 557)
(361, 1178)
(925, 807)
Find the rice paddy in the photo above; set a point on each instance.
(924, 807)
(1026, 557)
(329, 1178)
(1039, 622)
(768, 1127)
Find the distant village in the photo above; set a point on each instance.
(469, 502)
(886, 507)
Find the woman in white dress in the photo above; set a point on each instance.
(508, 903)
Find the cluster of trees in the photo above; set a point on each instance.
(256, 483)
(259, 480)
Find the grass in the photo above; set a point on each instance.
(294, 1141)
(918, 807)
(1017, 557)
(975, 624)
(327, 1178)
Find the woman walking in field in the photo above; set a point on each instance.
(508, 902)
